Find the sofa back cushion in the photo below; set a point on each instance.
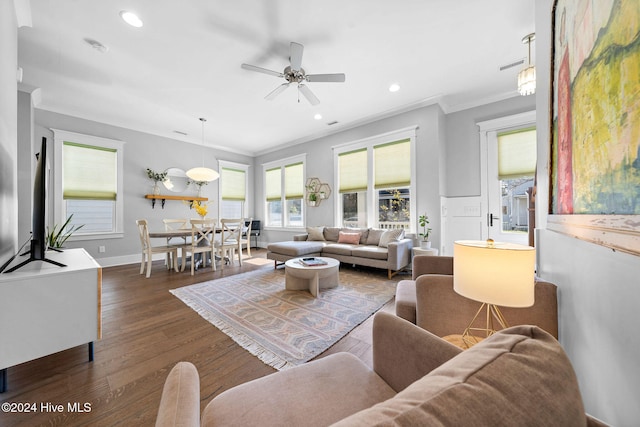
(391, 236)
(331, 233)
(519, 376)
(374, 236)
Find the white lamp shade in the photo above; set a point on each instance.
(499, 274)
(527, 81)
(202, 174)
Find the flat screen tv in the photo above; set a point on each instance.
(38, 241)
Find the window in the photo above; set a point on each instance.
(284, 193)
(88, 184)
(375, 182)
(233, 189)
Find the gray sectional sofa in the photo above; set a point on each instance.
(370, 247)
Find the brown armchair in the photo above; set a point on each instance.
(430, 302)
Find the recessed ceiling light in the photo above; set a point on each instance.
(131, 18)
(318, 116)
(394, 87)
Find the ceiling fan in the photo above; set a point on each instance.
(294, 73)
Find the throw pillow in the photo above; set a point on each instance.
(331, 233)
(315, 233)
(374, 236)
(390, 236)
(350, 238)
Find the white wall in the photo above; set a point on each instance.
(598, 289)
(8, 131)
(429, 146)
(141, 151)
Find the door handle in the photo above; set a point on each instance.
(490, 219)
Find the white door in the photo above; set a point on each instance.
(508, 151)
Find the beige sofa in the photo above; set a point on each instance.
(377, 248)
(517, 377)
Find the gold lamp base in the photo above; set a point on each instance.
(492, 312)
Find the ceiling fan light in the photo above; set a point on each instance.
(527, 81)
(202, 174)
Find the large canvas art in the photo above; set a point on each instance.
(595, 147)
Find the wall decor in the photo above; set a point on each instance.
(317, 191)
(595, 122)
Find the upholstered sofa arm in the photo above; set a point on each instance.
(399, 254)
(180, 402)
(403, 353)
(427, 264)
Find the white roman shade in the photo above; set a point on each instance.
(294, 181)
(392, 164)
(273, 178)
(517, 154)
(233, 182)
(89, 172)
(352, 167)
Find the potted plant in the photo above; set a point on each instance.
(156, 177)
(57, 236)
(313, 199)
(423, 221)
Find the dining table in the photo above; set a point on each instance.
(179, 232)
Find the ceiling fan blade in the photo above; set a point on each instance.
(313, 100)
(295, 56)
(326, 77)
(277, 91)
(261, 70)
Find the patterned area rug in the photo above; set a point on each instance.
(286, 328)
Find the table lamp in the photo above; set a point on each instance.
(495, 274)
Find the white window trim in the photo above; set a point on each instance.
(59, 214)
(369, 143)
(282, 163)
(240, 166)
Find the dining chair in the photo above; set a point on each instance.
(148, 250)
(245, 238)
(203, 233)
(177, 224)
(230, 239)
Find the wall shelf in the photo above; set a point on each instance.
(164, 197)
(317, 191)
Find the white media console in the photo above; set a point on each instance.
(45, 308)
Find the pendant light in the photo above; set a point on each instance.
(527, 77)
(202, 173)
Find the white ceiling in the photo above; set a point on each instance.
(184, 63)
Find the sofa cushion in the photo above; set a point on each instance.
(331, 233)
(315, 234)
(391, 236)
(338, 249)
(519, 376)
(295, 249)
(374, 236)
(350, 238)
(371, 252)
(364, 233)
(317, 393)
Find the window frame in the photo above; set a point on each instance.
(59, 206)
(282, 163)
(371, 192)
(240, 166)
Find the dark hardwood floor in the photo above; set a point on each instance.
(145, 332)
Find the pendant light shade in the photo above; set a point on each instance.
(527, 77)
(202, 173)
